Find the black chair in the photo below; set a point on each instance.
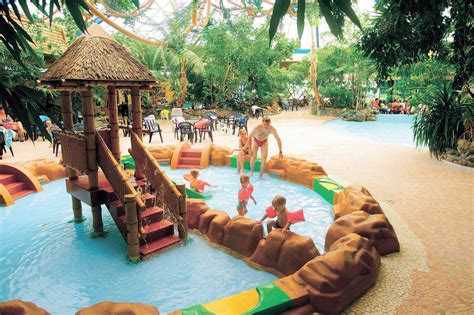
(126, 123)
(186, 128)
(79, 117)
(241, 123)
(3, 145)
(213, 117)
(151, 127)
(78, 128)
(204, 128)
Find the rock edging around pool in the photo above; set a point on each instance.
(314, 283)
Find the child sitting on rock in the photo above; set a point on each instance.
(245, 193)
(195, 183)
(284, 217)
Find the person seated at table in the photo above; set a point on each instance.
(7, 122)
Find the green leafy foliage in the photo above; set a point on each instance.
(443, 120)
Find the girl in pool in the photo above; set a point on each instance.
(195, 183)
(245, 193)
(284, 218)
(244, 149)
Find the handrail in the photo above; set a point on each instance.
(172, 197)
(114, 174)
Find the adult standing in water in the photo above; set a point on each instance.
(259, 139)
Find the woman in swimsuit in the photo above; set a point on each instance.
(243, 149)
(259, 140)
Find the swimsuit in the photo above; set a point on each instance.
(242, 144)
(260, 143)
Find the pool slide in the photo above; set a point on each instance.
(16, 182)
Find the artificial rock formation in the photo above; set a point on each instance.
(342, 275)
(296, 170)
(376, 228)
(18, 307)
(220, 156)
(112, 308)
(162, 154)
(43, 166)
(242, 235)
(195, 207)
(211, 223)
(355, 198)
(285, 252)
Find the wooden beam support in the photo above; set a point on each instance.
(114, 123)
(89, 133)
(137, 122)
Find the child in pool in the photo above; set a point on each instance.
(284, 217)
(195, 183)
(245, 193)
(244, 149)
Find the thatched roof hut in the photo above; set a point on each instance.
(96, 60)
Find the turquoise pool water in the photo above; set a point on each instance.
(318, 213)
(393, 129)
(56, 264)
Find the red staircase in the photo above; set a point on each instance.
(157, 232)
(16, 188)
(190, 158)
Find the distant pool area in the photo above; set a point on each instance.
(392, 129)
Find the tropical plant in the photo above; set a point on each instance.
(444, 118)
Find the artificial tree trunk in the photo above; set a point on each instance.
(184, 88)
(313, 70)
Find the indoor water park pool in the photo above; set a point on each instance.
(318, 213)
(57, 264)
(388, 128)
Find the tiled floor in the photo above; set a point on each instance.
(429, 203)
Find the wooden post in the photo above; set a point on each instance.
(113, 121)
(182, 212)
(137, 122)
(89, 133)
(97, 223)
(133, 242)
(66, 112)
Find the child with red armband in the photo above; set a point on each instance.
(245, 193)
(195, 183)
(284, 217)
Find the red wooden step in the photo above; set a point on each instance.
(22, 193)
(149, 200)
(15, 187)
(153, 214)
(187, 166)
(190, 161)
(155, 231)
(189, 153)
(7, 178)
(159, 244)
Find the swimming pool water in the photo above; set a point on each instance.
(318, 213)
(393, 129)
(56, 264)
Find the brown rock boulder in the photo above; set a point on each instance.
(216, 228)
(220, 156)
(162, 154)
(195, 207)
(242, 235)
(355, 198)
(44, 166)
(376, 228)
(285, 252)
(18, 307)
(342, 275)
(112, 308)
(296, 170)
(211, 223)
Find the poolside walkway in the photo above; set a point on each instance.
(428, 202)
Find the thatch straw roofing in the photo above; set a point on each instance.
(97, 60)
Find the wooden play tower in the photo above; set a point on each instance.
(151, 220)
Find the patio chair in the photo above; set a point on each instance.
(3, 146)
(186, 128)
(175, 121)
(124, 125)
(213, 117)
(56, 140)
(79, 117)
(165, 114)
(231, 119)
(202, 127)
(78, 128)
(151, 127)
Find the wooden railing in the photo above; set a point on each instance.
(114, 174)
(73, 149)
(173, 199)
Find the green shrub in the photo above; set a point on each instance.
(444, 118)
(339, 96)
